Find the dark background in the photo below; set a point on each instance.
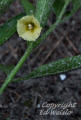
(20, 100)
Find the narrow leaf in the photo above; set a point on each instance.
(28, 7)
(8, 29)
(52, 27)
(76, 6)
(57, 67)
(4, 5)
(57, 6)
(43, 10)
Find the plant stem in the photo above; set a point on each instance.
(16, 69)
(53, 26)
(59, 17)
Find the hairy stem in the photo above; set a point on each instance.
(16, 69)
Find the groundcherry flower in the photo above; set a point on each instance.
(28, 27)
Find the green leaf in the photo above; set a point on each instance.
(4, 5)
(28, 7)
(8, 29)
(43, 10)
(76, 6)
(53, 68)
(52, 27)
(57, 6)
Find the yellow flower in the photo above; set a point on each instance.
(29, 28)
